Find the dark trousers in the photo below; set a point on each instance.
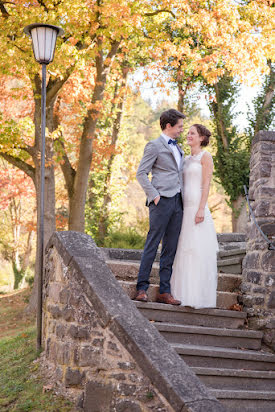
(165, 220)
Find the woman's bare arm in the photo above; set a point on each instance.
(207, 171)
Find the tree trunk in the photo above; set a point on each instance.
(239, 215)
(103, 223)
(262, 116)
(80, 184)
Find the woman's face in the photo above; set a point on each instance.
(193, 137)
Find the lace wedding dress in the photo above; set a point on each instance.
(194, 276)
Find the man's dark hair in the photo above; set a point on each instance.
(170, 116)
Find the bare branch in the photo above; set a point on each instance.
(15, 161)
(43, 5)
(55, 85)
(113, 49)
(154, 13)
(67, 169)
(3, 10)
(19, 48)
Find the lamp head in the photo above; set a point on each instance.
(43, 40)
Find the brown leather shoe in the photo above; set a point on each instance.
(141, 296)
(167, 298)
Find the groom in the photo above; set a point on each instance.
(164, 159)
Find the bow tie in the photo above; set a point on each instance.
(174, 142)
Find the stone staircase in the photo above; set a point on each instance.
(124, 264)
(215, 343)
(221, 351)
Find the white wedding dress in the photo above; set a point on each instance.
(194, 276)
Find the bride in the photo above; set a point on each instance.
(194, 276)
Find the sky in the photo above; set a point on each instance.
(154, 96)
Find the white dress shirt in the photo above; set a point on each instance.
(174, 148)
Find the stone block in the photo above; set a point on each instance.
(268, 229)
(99, 342)
(79, 332)
(63, 353)
(251, 260)
(266, 192)
(51, 326)
(254, 277)
(73, 377)
(52, 351)
(270, 280)
(262, 208)
(113, 346)
(247, 300)
(64, 295)
(61, 331)
(89, 356)
(126, 366)
(68, 313)
(53, 292)
(269, 338)
(54, 310)
(126, 390)
(268, 261)
(119, 376)
(271, 301)
(128, 406)
(58, 269)
(257, 300)
(259, 290)
(245, 287)
(265, 169)
(98, 397)
(47, 346)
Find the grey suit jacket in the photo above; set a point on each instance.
(159, 159)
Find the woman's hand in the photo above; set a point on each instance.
(199, 216)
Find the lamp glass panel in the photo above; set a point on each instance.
(35, 44)
(41, 33)
(50, 43)
(44, 40)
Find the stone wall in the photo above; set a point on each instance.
(99, 351)
(259, 264)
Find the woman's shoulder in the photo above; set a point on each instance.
(207, 160)
(206, 156)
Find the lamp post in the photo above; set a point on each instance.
(43, 43)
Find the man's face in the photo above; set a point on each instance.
(175, 131)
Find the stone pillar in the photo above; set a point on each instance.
(258, 284)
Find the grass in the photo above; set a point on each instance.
(6, 276)
(21, 389)
(126, 238)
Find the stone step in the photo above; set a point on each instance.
(224, 299)
(223, 378)
(232, 245)
(215, 357)
(230, 265)
(200, 335)
(128, 270)
(223, 254)
(136, 254)
(231, 237)
(246, 401)
(217, 318)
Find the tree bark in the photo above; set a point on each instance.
(219, 118)
(239, 215)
